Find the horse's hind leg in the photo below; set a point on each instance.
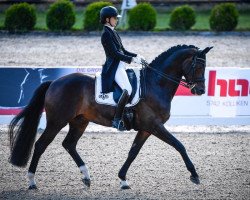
(41, 144)
(76, 128)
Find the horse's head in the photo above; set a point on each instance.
(194, 71)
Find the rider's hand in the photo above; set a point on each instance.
(140, 57)
(143, 60)
(137, 60)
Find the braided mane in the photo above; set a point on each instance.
(164, 55)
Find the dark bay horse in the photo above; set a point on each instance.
(70, 100)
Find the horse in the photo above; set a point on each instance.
(70, 100)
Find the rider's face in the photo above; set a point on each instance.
(113, 21)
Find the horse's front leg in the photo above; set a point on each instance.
(162, 133)
(140, 139)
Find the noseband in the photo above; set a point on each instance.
(190, 84)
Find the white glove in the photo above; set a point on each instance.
(140, 57)
(137, 60)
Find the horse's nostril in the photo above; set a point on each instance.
(202, 91)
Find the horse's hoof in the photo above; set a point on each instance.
(86, 182)
(32, 187)
(195, 179)
(126, 187)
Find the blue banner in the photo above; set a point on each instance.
(17, 85)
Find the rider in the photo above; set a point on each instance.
(115, 65)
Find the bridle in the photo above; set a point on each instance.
(190, 84)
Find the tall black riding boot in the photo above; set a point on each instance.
(118, 122)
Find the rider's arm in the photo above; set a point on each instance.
(109, 45)
(125, 51)
(128, 53)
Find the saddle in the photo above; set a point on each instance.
(111, 98)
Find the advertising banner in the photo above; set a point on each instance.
(227, 97)
(17, 84)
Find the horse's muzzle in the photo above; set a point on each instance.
(197, 90)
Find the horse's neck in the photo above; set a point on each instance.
(160, 89)
(172, 69)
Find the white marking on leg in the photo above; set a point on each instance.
(124, 184)
(84, 170)
(31, 177)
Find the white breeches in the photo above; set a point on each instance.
(121, 78)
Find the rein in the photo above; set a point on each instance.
(183, 82)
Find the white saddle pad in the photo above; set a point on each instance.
(107, 98)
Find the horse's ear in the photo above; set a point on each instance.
(206, 50)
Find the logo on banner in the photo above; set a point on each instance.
(228, 96)
(227, 87)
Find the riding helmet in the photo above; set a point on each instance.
(108, 12)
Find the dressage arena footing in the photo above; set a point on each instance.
(221, 158)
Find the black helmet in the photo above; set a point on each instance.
(107, 12)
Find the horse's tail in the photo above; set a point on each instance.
(22, 135)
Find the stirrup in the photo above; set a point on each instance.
(118, 124)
